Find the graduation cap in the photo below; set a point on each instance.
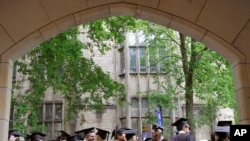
(115, 131)
(156, 126)
(64, 135)
(37, 136)
(72, 138)
(15, 133)
(82, 133)
(222, 129)
(102, 133)
(129, 133)
(179, 123)
(224, 123)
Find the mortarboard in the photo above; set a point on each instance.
(15, 133)
(179, 123)
(129, 133)
(103, 133)
(222, 129)
(114, 132)
(64, 135)
(82, 133)
(72, 138)
(224, 123)
(156, 126)
(37, 136)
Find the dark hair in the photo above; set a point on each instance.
(119, 132)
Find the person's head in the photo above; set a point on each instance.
(156, 132)
(186, 128)
(11, 138)
(63, 137)
(222, 133)
(130, 134)
(121, 136)
(102, 134)
(14, 135)
(90, 136)
(182, 125)
(153, 134)
(87, 134)
(37, 136)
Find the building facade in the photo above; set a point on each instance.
(132, 68)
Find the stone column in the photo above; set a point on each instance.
(241, 73)
(5, 98)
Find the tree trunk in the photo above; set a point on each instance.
(188, 73)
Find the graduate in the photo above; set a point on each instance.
(87, 134)
(102, 135)
(183, 130)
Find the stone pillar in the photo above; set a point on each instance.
(5, 98)
(242, 89)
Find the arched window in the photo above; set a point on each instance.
(134, 107)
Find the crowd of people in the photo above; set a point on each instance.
(124, 134)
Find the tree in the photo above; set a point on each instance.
(59, 64)
(188, 68)
(191, 70)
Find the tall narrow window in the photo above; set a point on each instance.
(143, 59)
(14, 72)
(141, 38)
(123, 109)
(162, 54)
(48, 111)
(51, 116)
(131, 39)
(134, 107)
(135, 123)
(144, 106)
(122, 62)
(133, 60)
(153, 59)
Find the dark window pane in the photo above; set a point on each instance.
(162, 54)
(49, 129)
(14, 72)
(144, 106)
(133, 59)
(123, 122)
(134, 107)
(135, 123)
(48, 112)
(58, 111)
(124, 109)
(153, 59)
(143, 60)
(122, 62)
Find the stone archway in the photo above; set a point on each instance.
(221, 25)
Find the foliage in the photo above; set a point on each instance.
(191, 70)
(59, 64)
(188, 69)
